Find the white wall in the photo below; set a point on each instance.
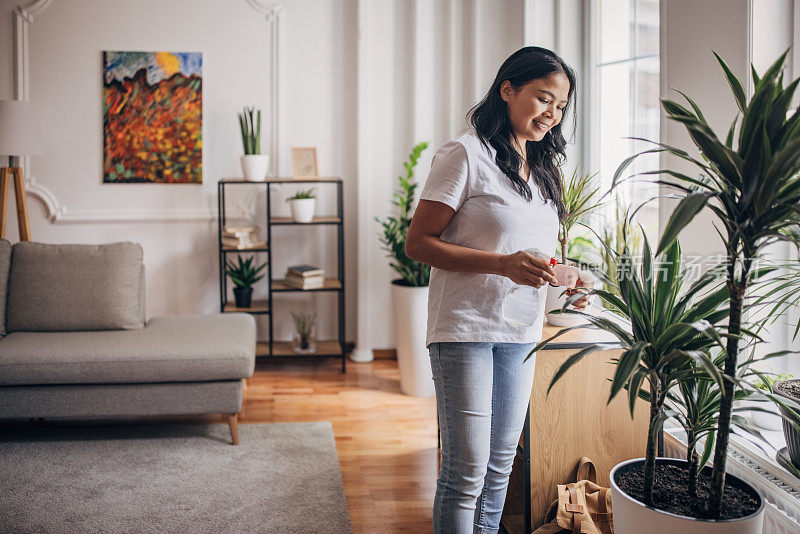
(362, 80)
(317, 105)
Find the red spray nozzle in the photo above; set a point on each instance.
(553, 261)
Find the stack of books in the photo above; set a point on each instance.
(304, 277)
(241, 237)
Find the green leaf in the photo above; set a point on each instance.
(686, 210)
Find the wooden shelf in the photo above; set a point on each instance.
(315, 220)
(324, 179)
(284, 348)
(330, 284)
(256, 249)
(258, 306)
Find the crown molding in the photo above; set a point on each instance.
(58, 212)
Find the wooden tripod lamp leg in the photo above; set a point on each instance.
(22, 206)
(14, 173)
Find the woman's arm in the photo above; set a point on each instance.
(424, 244)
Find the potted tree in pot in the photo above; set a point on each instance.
(244, 274)
(254, 163)
(302, 204)
(754, 192)
(410, 291)
(579, 197)
(666, 328)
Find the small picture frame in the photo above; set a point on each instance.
(304, 162)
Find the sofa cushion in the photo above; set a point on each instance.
(75, 287)
(5, 267)
(180, 348)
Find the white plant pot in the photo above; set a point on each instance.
(255, 166)
(555, 301)
(634, 517)
(410, 323)
(767, 421)
(302, 209)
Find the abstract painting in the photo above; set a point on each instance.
(152, 117)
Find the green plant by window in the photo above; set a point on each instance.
(304, 194)
(766, 381)
(395, 229)
(751, 184)
(243, 273)
(662, 322)
(579, 198)
(251, 130)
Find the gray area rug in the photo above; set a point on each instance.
(283, 477)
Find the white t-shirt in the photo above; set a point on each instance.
(490, 215)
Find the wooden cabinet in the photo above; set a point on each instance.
(574, 420)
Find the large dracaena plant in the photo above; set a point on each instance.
(579, 196)
(661, 322)
(395, 229)
(752, 186)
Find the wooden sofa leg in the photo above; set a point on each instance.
(233, 424)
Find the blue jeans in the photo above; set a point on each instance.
(482, 394)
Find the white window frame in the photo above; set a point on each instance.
(591, 155)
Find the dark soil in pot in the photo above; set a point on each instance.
(671, 490)
(790, 389)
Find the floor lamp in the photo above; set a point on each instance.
(19, 136)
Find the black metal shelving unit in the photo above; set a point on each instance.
(272, 348)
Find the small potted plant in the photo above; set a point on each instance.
(302, 204)
(254, 163)
(410, 291)
(244, 274)
(764, 414)
(303, 332)
(579, 199)
(790, 389)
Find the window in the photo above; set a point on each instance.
(625, 83)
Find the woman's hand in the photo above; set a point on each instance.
(584, 281)
(526, 269)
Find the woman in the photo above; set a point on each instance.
(491, 194)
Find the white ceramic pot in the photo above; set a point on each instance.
(255, 166)
(767, 421)
(555, 301)
(634, 517)
(302, 209)
(410, 323)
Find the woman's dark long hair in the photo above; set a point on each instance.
(493, 126)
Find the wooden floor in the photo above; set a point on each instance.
(386, 440)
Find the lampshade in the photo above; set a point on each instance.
(19, 133)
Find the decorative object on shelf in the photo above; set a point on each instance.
(254, 164)
(19, 136)
(303, 339)
(304, 162)
(153, 117)
(241, 237)
(410, 292)
(579, 200)
(302, 205)
(304, 277)
(243, 275)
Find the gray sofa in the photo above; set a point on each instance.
(75, 342)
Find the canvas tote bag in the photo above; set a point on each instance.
(582, 507)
